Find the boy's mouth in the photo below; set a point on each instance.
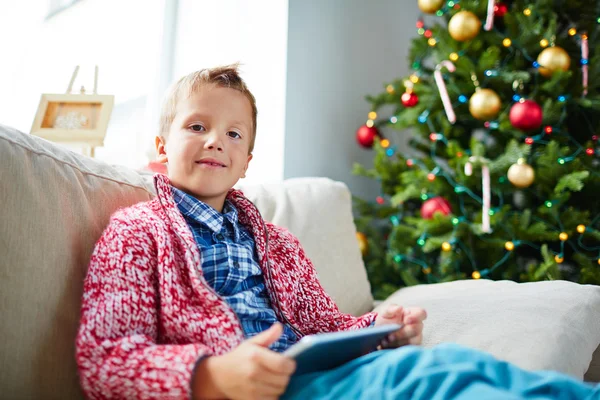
(211, 162)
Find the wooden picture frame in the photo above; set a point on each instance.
(73, 118)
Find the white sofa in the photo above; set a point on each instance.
(56, 203)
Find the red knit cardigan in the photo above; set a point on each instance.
(148, 313)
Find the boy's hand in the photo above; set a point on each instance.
(412, 330)
(250, 371)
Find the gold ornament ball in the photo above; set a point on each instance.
(485, 104)
(521, 175)
(463, 26)
(430, 6)
(363, 244)
(553, 59)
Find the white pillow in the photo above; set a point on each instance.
(552, 325)
(319, 212)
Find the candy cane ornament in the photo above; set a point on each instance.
(584, 60)
(489, 22)
(439, 80)
(485, 183)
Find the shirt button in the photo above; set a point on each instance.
(236, 264)
(220, 236)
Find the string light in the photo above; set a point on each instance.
(414, 78)
(432, 42)
(420, 31)
(410, 162)
(372, 115)
(559, 259)
(544, 43)
(380, 200)
(527, 12)
(510, 246)
(462, 98)
(476, 275)
(453, 56)
(370, 123)
(394, 119)
(431, 177)
(427, 33)
(427, 271)
(529, 140)
(589, 151)
(446, 246)
(506, 42)
(385, 143)
(548, 129)
(420, 23)
(572, 31)
(390, 89)
(563, 236)
(581, 228)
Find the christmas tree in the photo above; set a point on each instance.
(502, 176)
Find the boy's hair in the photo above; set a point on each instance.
(223, 76)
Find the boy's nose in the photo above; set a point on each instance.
(213, 142)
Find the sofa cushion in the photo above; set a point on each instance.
(55, 206)
(544, 325)
(319, 212)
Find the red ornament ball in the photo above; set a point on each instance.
(436, 204)
(409, 99)
(365, 136)
(526, 115)
(500, 9)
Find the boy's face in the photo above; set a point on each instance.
(208, 142)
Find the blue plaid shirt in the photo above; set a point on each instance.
(229, 265)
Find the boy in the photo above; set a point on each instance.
(194, 295)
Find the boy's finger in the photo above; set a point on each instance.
(392, 311)
(276, 363)
(266, 338)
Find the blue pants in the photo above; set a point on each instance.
(444, 372)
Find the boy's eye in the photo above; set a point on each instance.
(197, 128)
(233, 134)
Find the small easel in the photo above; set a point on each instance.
(74, 118)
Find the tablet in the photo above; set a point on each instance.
(325, 351)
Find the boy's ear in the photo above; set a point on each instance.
(161, 151)
(246, 167)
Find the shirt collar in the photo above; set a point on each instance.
(198, 211)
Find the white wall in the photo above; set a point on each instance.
(338, 52)
(253, 33)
